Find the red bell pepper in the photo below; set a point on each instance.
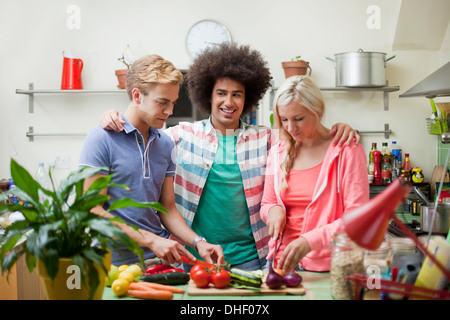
(158, 268)
(198, 262)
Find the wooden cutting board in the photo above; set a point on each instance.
(193, 290)
(436, 177)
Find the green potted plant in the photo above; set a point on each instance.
(62, 227)
(295, 67)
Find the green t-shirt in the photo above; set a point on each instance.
(222, 216)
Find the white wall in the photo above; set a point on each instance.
(33, 34)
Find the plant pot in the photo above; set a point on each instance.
(295, 68)
(122, 77)
(62, 287)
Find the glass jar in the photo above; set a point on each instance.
(380, 258)
(417, 176)
(401, 247)
(347, 258)
(405, 176)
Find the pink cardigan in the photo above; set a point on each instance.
(342, 186)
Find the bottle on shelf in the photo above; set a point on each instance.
(377, 165)
(385, 152)
(396, 151)
(407, 163)
(371, 163)
(386, 171)
(395, 169)
(43, 179)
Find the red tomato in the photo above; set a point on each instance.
(220, 279)
(200, 278)
(196, 268)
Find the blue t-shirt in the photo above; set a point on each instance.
(141, 168)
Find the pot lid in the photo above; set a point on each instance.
(361, 51)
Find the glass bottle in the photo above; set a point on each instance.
(395, 171)
(371, 163)
(405, 176)
(347, 258)
(44, 180)
(377, 165)
(407, 163)
(385, 153)
(386, 171)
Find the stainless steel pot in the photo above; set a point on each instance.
(360, 69)
(441, 223)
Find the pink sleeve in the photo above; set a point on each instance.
(269, 198)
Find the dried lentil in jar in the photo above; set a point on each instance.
(347, 258)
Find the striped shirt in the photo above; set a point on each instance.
(195, 148)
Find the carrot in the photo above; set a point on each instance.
(154, 286)
(151, 294)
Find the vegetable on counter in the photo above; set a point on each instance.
(166, 278)
(274, 280)
(151, 294)
(203, 275)
(158, 268)
(220, 278)
(245, 278)
(155, 286)
(292, 279)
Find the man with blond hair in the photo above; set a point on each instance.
(139, 157)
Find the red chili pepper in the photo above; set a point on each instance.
(173, 270)
(158, 268)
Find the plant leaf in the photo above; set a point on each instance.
(24, 180)
(127, 202)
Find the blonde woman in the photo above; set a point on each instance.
(310, 182)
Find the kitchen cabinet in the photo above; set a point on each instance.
(21, 284)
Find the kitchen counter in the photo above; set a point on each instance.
(317, 287)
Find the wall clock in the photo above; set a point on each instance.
(204, 34)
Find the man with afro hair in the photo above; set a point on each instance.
(221, 161)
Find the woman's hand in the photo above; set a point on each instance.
(112, 120)
(344, 133)
(276, 221)
(293, 253)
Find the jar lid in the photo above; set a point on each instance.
(4, 184)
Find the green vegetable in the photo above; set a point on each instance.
(245, 278)
(172, 278)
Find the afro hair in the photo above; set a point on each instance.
(239, 63)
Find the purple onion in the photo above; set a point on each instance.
(292, 279)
